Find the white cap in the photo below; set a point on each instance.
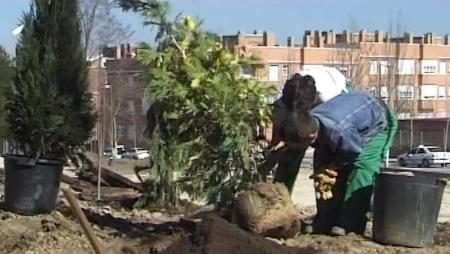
(330, 82)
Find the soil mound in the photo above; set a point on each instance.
(214, 235)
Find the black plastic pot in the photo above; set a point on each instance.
(31, 189)
(406, 208)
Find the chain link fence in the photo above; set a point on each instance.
(423, 132)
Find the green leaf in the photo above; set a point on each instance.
(195, 83)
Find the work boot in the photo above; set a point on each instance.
(337, 231)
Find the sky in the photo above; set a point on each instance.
(282, 17)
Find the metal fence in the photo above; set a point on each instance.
(403, 142)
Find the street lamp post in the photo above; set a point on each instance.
(112, 121)
(100, 132)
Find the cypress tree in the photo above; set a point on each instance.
(6, 75)
(49, 109)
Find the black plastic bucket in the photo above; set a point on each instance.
(406, 208)
(31, 189)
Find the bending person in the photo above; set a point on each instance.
(351, 134)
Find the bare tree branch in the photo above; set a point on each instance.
(101, 26)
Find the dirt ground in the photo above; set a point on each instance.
(57, 233)
(140, 231)
(354, 244)
(214, 235)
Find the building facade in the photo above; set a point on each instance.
(118, 91)
(411, 73)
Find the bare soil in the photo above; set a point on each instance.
(56, 233)
(355, 244)
(214, 235)
(143, 231)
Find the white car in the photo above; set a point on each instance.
(136, 153)
(425, 156)
(115, 153)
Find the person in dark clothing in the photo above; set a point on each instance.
(152, 119)
(301, 92)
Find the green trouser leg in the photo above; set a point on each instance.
(353, 216)
(288, 168)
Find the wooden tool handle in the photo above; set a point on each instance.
(95, 243)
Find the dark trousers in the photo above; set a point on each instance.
(288, 167)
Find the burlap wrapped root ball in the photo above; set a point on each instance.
(267, 209)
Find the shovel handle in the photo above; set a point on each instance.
(76, 209)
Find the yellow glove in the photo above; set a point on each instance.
(324, 182)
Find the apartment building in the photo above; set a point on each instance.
(118, 93)
(411, 73)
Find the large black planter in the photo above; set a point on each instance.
(406, 208)
(31, 189)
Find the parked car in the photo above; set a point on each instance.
(425, 156)
(114, 153)
(136, 153)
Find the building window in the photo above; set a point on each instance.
(273, 72)
(384, 92)
(131, 132)
(405, 91)
(406, 67)
(428, 92)
(285, 72)
(429, 69)
(381, 92)
(384, 67)
(310, 66)
(120, 129)
(248, 71)
(442, 67)
(130, 106)
(429, 66)
(448, 67)
(144, 104)
(103, 61)
(373, 69)
(130, 81)
(441, 92)
(344, 71)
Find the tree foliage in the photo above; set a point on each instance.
(49, 109)
(6, 76)
(208, 112)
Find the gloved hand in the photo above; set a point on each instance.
(323, 183)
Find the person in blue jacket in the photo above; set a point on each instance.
(351, 134)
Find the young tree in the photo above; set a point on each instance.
(399, 86)
(207, 112)
(50, 111)
(6, 76)
(351, 58)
